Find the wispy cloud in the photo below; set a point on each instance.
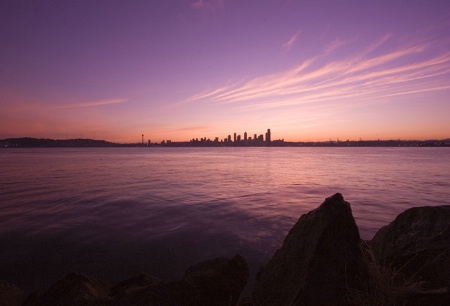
(367, 74)
(92, 104)
(334, 45)
(287, 46)
(377, 44)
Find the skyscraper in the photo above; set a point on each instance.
(268, 135)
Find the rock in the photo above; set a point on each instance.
(319, 261)
(214, 282)
(144, 289)
(417, 245)
(10, 294)
(175, 293)
(247, 301)
(440, 297)
(133, 284)
(31, 300)
(219, 281)
(75, 290)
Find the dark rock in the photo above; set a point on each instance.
(135, 283)
(75, 290)
(417, 245)
(319, 261)
(246, 302)
(175, 293)
(10, 294)
(219, 281)
(32, 299)
(440, 297)
(146, 290)
(214, 282)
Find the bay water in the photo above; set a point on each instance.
(115, 212)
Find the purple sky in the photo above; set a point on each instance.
(308, 70)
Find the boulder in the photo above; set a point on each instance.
(74, 290)
(417, 246)
(214, 282)
(10, 294)
(219, 281)
(319, 261)
(174, 293)
(136, 283)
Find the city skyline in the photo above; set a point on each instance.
(237, 138)
(310, 70)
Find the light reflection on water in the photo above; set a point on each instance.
(115, 212)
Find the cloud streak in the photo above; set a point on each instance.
(367, 75)
(287, 46)
(92, 104)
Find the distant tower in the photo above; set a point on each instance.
(245, 135)
(268, 135)
(234, 137)
(142, 138)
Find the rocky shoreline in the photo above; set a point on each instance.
(323, 261)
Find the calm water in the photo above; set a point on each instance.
(114, 212)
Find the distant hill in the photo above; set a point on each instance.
(27, 142)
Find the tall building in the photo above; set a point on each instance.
(234, 137)
(268, 135)
(245, 135)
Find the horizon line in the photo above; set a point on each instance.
(337, 140)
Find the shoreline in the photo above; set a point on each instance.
(28, 142)
(329, 226)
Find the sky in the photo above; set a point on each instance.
(310, 70)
